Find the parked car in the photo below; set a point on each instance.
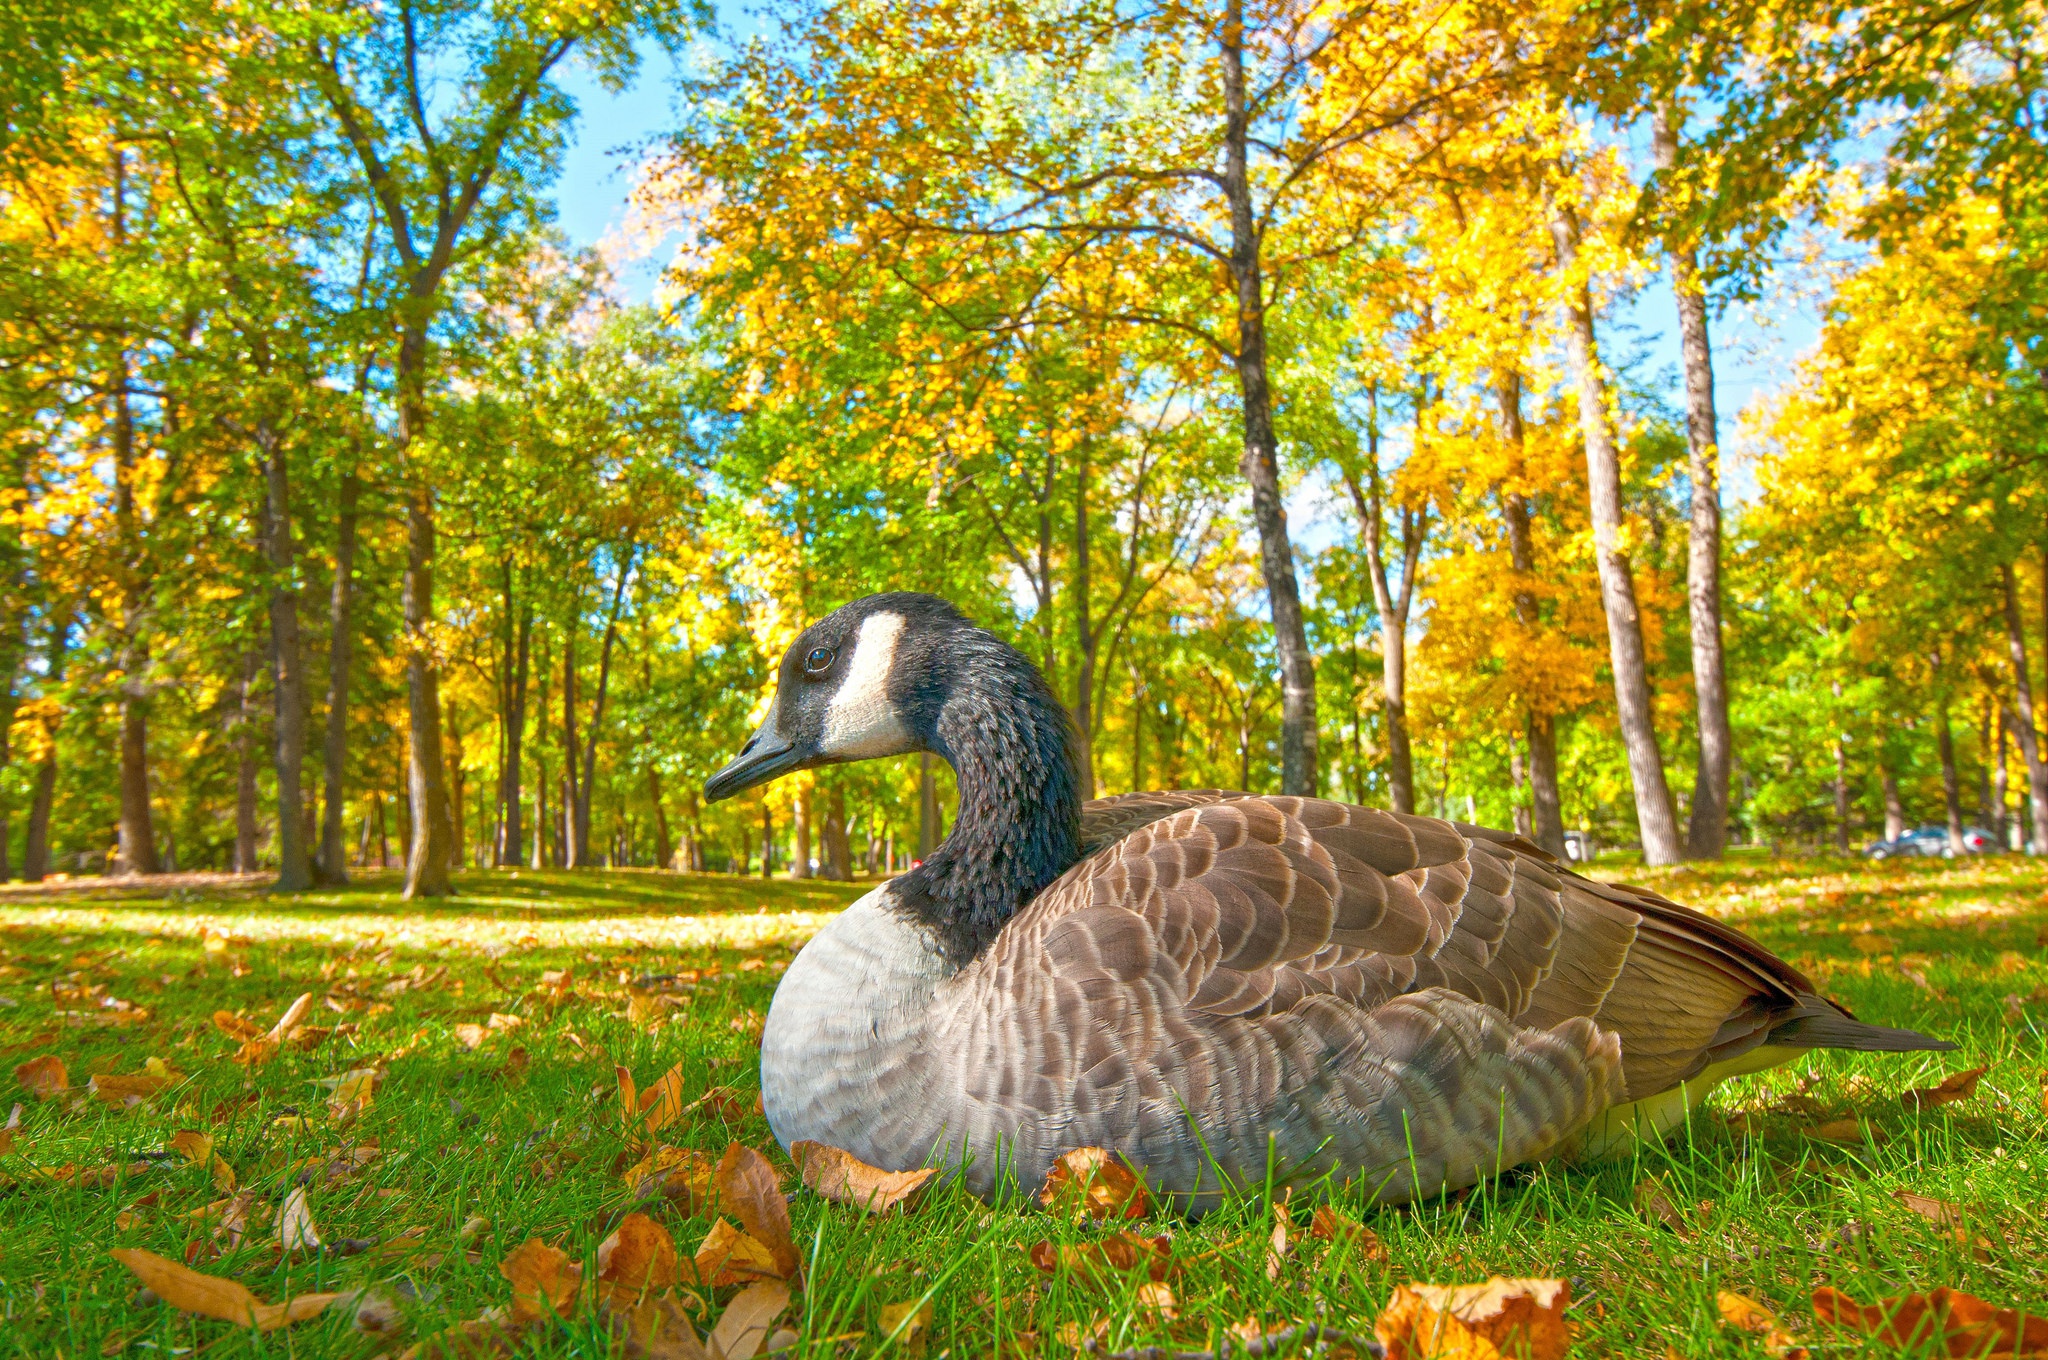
(1932, 841)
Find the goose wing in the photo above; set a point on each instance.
(1367, 988)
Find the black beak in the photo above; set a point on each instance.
(764, 757)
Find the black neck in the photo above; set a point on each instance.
(1011, 745)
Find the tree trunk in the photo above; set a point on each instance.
(35, 848)
(1524, 824)
(587, 786)
(426, 863)
(800, 826)
(1706, 832)
(1894, 806)
(2030, 745)
(511, 850)
(245, 768)
(767, 839)
(1546, 808)
(457, 838)
(288, 682)
(1084, 634)
(1393, 603)
(1841, 795)
(1654, 815)
(1260, 464)
(838, 854)
(1997, 811)
(340, 644)
(664, 846)
(1951, 784)
(572, 851)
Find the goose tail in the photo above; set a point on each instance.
(1838, 1029)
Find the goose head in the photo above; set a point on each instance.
(868, 680)
(896, 673)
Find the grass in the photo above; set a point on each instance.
(534, 1148)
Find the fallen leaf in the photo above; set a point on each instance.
(659, 1328)
(662, 1103)
(1327, 1225)
(472, 1037)
(749, 1189)
(1963, 1324)
(843, 1178)
(1155, 1297)
(1093, 1182)
(544, 1280)
(685, 1175)
(639, 1255)
(1958, 1086)
(729, 1256)
(132, 1090)
(727, 1103)
(189, 1291)
(296, 1231)
(1873, 944)
(195, 1148)
(908, 1325)
(1850, 1130)
(1109, 1258)
(236, 1027)
(354, 1092)
(1502, 1317)
(1746, 1314)
(44, 1077)
(307, 1037)
(1652, 1203)
(746, 1320)
(1277, 1247)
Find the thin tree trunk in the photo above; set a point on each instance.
(1655, 817)
(588, 785)
(1951, 783)
(1841, 795)
(664, 846)
(1260, 464)
(1546, 807)
(572, 854)
(1894, 806)
(838, 853)
(426, 863)
(35, 849)
(2000, 781)
(1525, 824)
(458, 839)
(340, 645)
(288, 683)
(245, 768)
(1706, 831)
(767, 839)
(800, 826)
(1138, 705)
(1393, 603)
(1084, 634)
(2030, 745)
(512, 850)
(137, 851)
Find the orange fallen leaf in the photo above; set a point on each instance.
(729, 1256)
(746, 1320)
(726, 1102)
(44, 1077)
(749, 1189)
(1502, 1317)
(1957, 1086)
(685, 1175)
(544, 1280)
(196, 1148)
(1095, 1183)
(843, 1178)
(1847, 1131)
(638, 1256)
(131, 1090)
(1109, 1258)
(1746, 1314)
(1156, 1298)
(236, 1027)
(1327, 1225)
(1962, 1324)
(189, 1291)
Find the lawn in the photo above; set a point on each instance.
(497, 1021)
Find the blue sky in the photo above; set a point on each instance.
(1755, 347)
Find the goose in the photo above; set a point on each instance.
(1228, 990)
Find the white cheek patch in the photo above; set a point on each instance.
(861, 723)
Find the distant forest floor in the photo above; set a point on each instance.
(494, 1022)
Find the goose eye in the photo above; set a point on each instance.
(819, 659)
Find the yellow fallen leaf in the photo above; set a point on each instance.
(907, 1325)
(472, 1037)
(843, 1178)
(196, 1148)
(1502, 1317)
(685, 1175)
(1327, 1225)
(729, 1256)
(1156, 1298)
(189, 1291)
(1746, 1314)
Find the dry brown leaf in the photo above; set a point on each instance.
(544, 1280)
(1093, 1182)
(746, 1320)
(223, 1175)
(659, 1328)
(1109, 1258)
(235, 1027)
(196, 1148)
(305, 1038)
(129, 1091)
(725, 1102)
(1957, 1086)
(1277, 1247)
(908, 1325)
(1503, 1317)
(1746, 1314)
(1962, 1324)
(354, 1092)
(189, 1291)
(843, 1178)
(1653, 1203)
(639, 1255)
(44, 1077)
(685, 1175)
(289, 1021)
(749, 1189)
(472, 1036)
(729, 1256)
(296, 1230)
(1852, 1130)
(1155, 1298)
(6, 1142)
(1327, 1225)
